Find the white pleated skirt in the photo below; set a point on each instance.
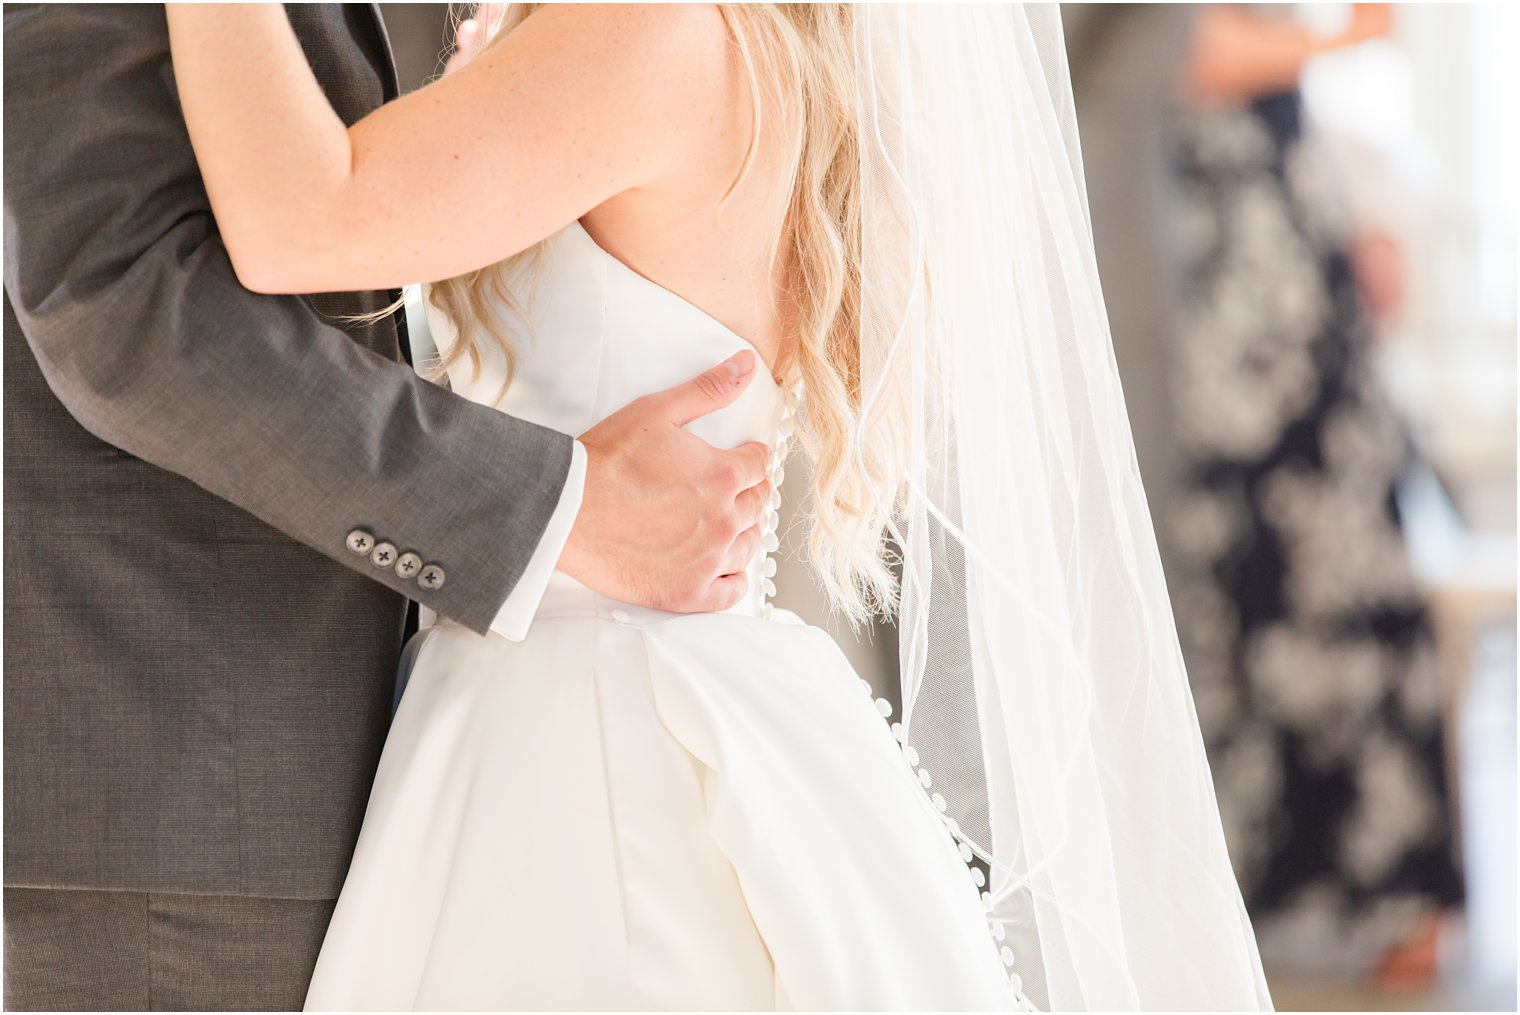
(652, 812)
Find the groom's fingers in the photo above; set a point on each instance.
(709, 391)
(742, 551)
(751, 504)
(746, 467)
(724, 592)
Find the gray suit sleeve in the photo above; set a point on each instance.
(127, 298)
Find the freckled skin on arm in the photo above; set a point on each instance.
(579, 104)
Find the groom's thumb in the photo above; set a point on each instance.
(708, 391)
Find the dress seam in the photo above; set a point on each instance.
(612, 822)
(596, 413)
(152, 946)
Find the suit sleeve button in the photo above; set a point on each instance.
(360, 542)
(431, 578)
(407, 565)
(384, 555)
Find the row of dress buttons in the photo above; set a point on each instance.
(771, 521)
(769, 543)
(386, 556)
(925, 781)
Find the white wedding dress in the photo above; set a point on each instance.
(633, 809)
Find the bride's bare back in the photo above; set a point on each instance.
(634, 119)
(672, 231)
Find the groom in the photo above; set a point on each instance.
(217, 507)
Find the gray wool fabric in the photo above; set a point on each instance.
(198, 667)
(139, 951)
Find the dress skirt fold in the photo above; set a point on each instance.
(699, 812)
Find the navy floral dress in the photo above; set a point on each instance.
(1308, 647)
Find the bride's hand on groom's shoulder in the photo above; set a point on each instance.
(471, 34)
(666, 519)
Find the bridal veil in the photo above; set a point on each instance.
(1045, 699)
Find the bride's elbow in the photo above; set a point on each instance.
(269, 265)
(260, 279)
(299, 251)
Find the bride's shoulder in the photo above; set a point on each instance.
(668, 68)
(686, 35)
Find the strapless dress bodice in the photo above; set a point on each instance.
(590, 335)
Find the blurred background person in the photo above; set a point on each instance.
(1309, 646)
(1244, 296)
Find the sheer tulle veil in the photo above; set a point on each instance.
(1045, 699)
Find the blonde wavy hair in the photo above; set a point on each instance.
(800, 62)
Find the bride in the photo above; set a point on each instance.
(632, 809)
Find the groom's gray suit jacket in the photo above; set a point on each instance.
(198, 670)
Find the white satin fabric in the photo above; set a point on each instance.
(632, 809)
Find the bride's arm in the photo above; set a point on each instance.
(578, 104)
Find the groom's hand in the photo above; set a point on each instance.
(667, 520)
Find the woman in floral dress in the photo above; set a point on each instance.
(1309, 650)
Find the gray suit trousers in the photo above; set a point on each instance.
(69, 950)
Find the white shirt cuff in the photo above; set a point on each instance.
(516, 614)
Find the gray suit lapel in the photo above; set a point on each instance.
(382, 42)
